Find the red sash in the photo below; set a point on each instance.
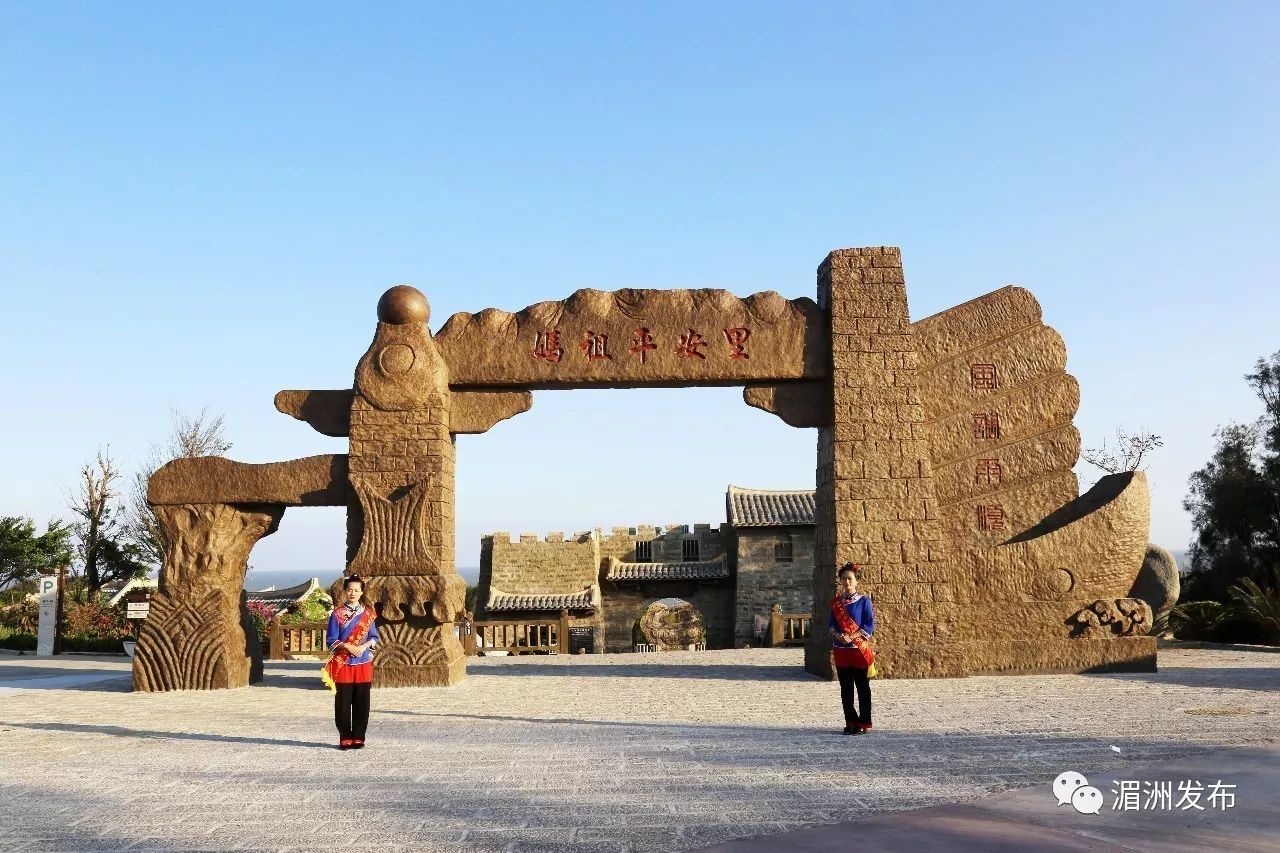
(861, 654)
(340, 656)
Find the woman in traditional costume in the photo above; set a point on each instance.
(351, 636)
(851, 623)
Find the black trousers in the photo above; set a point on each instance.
(852, 677)
(351, 710)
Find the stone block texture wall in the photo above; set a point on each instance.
(875, 492)
(396, 450)
(536, 564)
(763, 581)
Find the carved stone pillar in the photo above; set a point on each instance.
(875, 501)
(402, 472)
(198, 634)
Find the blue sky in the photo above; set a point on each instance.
(199, 207)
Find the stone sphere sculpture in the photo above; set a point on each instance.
(403, 304)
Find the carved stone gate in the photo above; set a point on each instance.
(945, 450)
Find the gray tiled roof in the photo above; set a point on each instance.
(279, 599)
(708, 570)
(585, 600)
(761, 508)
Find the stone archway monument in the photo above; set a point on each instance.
(945, 450)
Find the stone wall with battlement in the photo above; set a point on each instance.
(533, 564)
(666, 543)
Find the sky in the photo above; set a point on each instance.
(201, 206)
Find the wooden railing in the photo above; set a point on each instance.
(788, 629)
(517, 637)
(548, 637)
(300, 638)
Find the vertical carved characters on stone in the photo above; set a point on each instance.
(193, 638)
(999, 406)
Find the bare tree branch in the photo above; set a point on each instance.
(189, 437)
(98, 524)
(1126, 455)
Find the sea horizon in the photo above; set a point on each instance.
(261, 579)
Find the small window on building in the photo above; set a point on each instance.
(644, 552)
(689, 552)
(782, 551)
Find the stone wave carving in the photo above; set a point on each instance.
(1123, 617)
(999, 409)
(189, 644)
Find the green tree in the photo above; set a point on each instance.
(23, 554)
(1234, 499)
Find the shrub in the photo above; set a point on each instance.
(21, 617)
(94, 645)
(1198, 620)
(1259, 607)
(92, 620)
(261, 614)
(21, 641)
(1253, 616)
(314, 609)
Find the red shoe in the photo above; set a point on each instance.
(866, 727)
(345, 743)
(357, 743)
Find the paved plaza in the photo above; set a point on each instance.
(620, 752)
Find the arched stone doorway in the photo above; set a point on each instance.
(669, 625)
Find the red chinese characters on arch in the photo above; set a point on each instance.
(546, 346)
(737, 339)
(595, 346)
(642, 344)
(690, 345)
(987, 472)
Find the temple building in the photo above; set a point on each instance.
(732, 574)
(286, 599)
